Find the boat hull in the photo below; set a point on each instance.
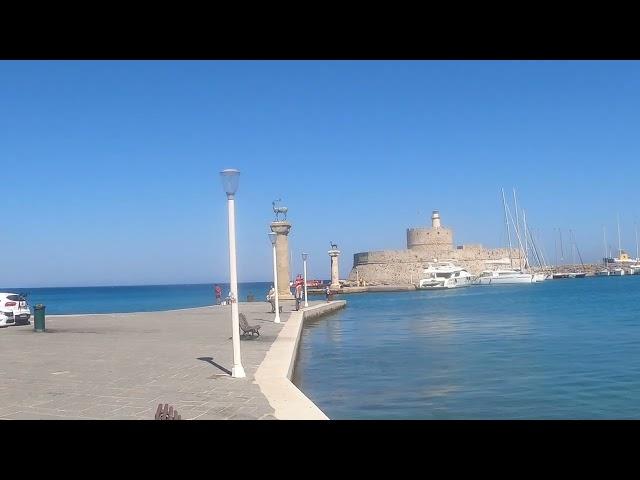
(449, 283)
(515, 279)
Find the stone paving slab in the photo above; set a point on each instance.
(120, 366)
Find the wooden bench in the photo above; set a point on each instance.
(246, 329)
(166, 413)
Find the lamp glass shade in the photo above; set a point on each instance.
(272, 237)
(230, 178)
(305, 256)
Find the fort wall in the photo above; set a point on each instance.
(425, 245)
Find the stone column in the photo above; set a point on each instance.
(335, 274)
(282, 259)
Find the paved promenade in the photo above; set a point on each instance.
(120, 366)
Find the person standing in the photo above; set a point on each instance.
(271, 298)
(298, 295)
(218, 291)
(327, 291)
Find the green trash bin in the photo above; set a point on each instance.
(38, 318)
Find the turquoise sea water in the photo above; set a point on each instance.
(561, 349)
(148, 298)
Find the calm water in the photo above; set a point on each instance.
(132, 298)
(561, 349)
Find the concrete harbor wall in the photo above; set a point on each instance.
(275, 372)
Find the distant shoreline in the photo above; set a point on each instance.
(131, 286)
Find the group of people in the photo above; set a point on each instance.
(297, 293)
(219, 300)
(298, 287)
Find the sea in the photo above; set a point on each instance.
(560, 349)
(125, 299)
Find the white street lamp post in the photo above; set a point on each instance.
(230, 178)
(272, 237)
(304, 270)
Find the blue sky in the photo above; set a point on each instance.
(111, 168)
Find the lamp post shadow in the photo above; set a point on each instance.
(210, 360)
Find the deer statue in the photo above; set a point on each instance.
(279, 210)
(333, 246)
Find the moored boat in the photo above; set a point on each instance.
(577, 274)
(634, 269)
(504, 276)
(440, 275)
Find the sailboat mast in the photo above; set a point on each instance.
(526, 240)
(575, 244)
(619, 244)
(555, 244)
(635, 226)
(604, 237)
(561, 248)
(521, 248)
(572, 241)
(506, 221)
(517, 227)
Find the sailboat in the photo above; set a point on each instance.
(574, 248)
(560, 275)
(623, 257)
(502, 276)
(635, 268)
(528, 239)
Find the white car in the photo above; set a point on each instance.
(6, 319)
(14, 310)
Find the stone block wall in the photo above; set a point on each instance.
(430, 239)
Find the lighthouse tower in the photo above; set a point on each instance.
(435, 219)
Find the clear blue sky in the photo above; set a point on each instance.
(110, 169)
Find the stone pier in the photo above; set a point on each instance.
(282, 259)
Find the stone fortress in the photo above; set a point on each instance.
(396, 267)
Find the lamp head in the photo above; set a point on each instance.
(230, 178)
(272, 237)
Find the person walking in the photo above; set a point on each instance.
(327, 291)
(218, 291)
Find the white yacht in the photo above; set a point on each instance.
(540, 277)
(617, 271)
(439, 275)
(634, 269)
(503, 276)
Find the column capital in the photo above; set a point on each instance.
(333, 253)
(281, 228)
